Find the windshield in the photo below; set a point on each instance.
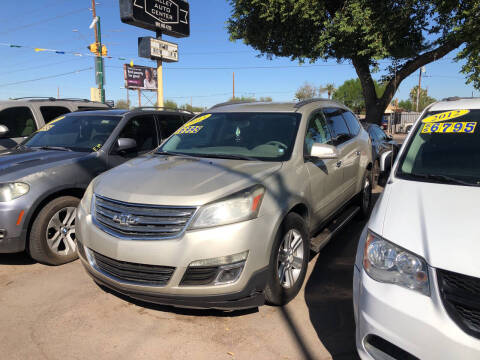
(74, 132)
(445, 148)
(257, 136)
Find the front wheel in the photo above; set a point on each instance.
(52, 237)
(365, 197)
(288, 261)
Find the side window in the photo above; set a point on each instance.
(169, 124)
(352, 123)
(19, 120)
(142, 130)
(317, 132)
(51, 112)
(337, 125)
(379, 134)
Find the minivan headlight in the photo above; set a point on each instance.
(12, 191)
(86, 202)
(386, 262)
(241, 206)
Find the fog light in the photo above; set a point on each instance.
(229, 273)
(223, 260)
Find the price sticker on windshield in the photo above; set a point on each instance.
(189, 130)
(444, 116)
(51, 124)
(449, 128)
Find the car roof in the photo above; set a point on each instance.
(122, 112)
(456, 103)
(53, 101)
(258, 106)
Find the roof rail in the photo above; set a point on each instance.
(234, 103)
(299, 104)
(96, 109)
(454, 98)
(162, 108)
(34, 98)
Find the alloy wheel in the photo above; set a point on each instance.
(290, 258)
(60, 232)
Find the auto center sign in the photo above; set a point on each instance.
(171, 17)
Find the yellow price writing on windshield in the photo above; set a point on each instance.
(449, 128)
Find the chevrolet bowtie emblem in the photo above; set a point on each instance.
(125, 219)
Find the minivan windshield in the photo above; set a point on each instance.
(242, 136)
(74, 132)
(444, 149)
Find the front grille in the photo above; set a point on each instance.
(136, 273)
(138, 221)
(461, 298)
(199, 275)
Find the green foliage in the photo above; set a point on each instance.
(265, 99)
(170, 104)
(408, 33)
(195, 109)
(122, 104)
(243, 99)
(424, 99)
(306, 91)
(350, 94)
(406, 105)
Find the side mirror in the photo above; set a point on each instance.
(386, 161)
(125, 145)
(3, 130)
(323, 151)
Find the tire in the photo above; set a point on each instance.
(375, 173)
(52, 237)
(364, 198)
(281, 291)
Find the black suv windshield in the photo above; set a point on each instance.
(444, 149)
(243, 136)
(74, 132)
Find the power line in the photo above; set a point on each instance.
(45, 6)
(43, 21)
(41, 66)
(47, 77)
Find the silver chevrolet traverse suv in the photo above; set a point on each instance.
(224, 213)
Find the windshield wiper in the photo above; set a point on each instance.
(442, 179)
(60, 148)
(169, 153)
(227, 156)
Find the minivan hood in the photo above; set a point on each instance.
(436, 221)
(180, 181)
(18, 163)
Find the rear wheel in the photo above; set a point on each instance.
(288, 261)
(52, 237)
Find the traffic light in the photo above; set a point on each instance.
(104, 50)
(93, 47)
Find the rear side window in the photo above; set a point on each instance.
(317, 132)
(51, 112)
(169, 124)
(352, 123)
(19, 120)
(337, 125)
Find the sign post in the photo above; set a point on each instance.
(169, 17)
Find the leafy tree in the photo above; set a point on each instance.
(424, 99)
(350, 93)
(330, 90)
(191, 108)
(265, 99)
(170, 104)
(406, 34)
(122, 104)
(306, 91)
(406, 105)
(243, 99)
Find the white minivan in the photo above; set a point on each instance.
(417, 270)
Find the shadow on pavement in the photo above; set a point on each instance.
(328, 293)
(16, 259)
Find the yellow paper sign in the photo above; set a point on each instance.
(444, 116)
(195, 129)
(449, 128)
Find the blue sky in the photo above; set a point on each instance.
(63, 25)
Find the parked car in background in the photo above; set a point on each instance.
(384, 123)
(417, 276)
(43, 179)
(381, 143)
(222, 215)
(21, 117)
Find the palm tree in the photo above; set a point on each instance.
(330, 89)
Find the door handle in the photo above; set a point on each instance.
(339, 163)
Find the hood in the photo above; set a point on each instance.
(174, 180)
(435, 221)
(18, 163)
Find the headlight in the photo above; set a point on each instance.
(238, 207)
(86, 202)
(386, 262)
(11, 191)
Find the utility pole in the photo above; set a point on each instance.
(99, 59)
(422, 69)
(58, 92)
(233, 98)
(128, 98)
(139, 97)
(160, 101)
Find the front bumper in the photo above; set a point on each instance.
(254, 236)
(415, 323)
(12, 236)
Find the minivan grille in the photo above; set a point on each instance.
(461, 298)
(137, 273)
(138, 221)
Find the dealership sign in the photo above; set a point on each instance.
(170, 17)
(156, 49)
